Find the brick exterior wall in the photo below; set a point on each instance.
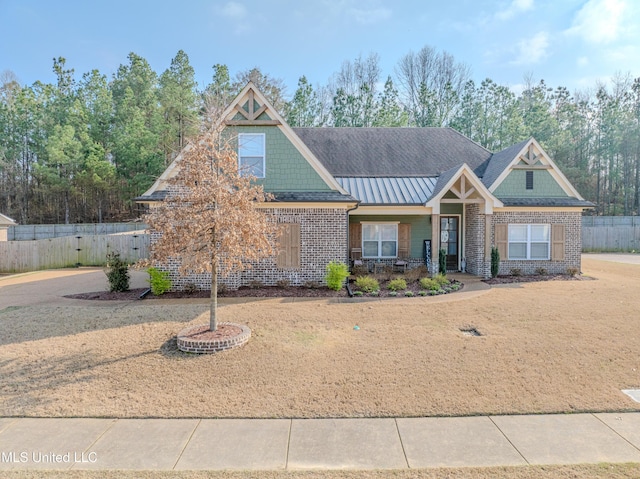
(479, 265)
(474, 240)
(323, 238)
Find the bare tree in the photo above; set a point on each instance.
(210, 221)
(431, 84)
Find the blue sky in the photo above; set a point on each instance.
(573, 43)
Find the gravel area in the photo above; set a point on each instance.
(555, 346)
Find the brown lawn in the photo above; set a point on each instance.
(595, 471)
(558, 346)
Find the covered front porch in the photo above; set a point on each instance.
(455, 217)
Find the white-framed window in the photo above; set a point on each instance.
(529, 241)
(251, 154)
(379, 240)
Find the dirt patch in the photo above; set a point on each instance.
(203, 333)
(553, 346)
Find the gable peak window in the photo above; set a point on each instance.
(251, 154)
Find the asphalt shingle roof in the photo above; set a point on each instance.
(289, 196)
(498, 162)
(391, 152)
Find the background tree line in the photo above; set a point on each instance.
(80, 150)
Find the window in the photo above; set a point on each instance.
(529, 180)
(379, 240)
(251, 154)
(529, 241)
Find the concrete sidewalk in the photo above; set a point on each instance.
(296, 444)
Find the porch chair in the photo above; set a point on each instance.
(356, 256)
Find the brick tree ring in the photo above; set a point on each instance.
(200, 339)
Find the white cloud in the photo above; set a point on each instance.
(582, 61)
(532, 50)
(516, 7)
(599, 21)
(370, 16)
(233, 10)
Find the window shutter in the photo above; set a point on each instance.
(557, 242)
(289, 246)
(355, 235)
(404, 240)
(502, 240)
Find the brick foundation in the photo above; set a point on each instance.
(480, 265)
(323, 238)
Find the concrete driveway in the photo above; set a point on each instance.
(49, 287)
(628, 258)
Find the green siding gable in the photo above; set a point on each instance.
(544, 186)
(286, 168)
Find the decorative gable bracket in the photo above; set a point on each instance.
(466, 188)
(531, 159)
(251, 114)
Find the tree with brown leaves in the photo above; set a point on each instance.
(210, 221)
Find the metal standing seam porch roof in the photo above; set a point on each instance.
(389, 190)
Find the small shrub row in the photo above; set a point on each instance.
(434, 284)
(159, 281)
(367, 284)
(397, 284)
(337, 272)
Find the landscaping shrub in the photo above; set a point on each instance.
(337, 272)
(541, 271)
(430, 284)
(283, 283)
(495, 262)
(359, 270)
(190, 288)
(572, 271)
(409, 294)
(397, 284)
(441, 279)
(516, 272)
(117, 274)
(367, 284)
(415, 274)
(159, 281)
(442, 260)
(255, 284)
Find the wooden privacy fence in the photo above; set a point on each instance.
(611, 233)
(36, 232)
(88, 250)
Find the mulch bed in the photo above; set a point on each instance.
(243, 292)
(303, 291)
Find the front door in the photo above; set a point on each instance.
(449, 240)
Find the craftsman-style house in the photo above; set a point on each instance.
(397, 196)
